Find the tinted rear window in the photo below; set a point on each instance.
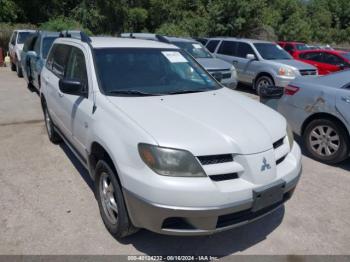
(211, 46)
(228, 48)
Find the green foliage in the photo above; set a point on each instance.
(325, 21)
(63, 23)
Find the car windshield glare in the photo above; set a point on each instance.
(195, 49)
(271, 51)
(150, 71)
(22, 37)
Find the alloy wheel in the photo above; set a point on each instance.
(324, 140)
(108, 200)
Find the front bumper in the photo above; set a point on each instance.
(173, 220)
(230, 83)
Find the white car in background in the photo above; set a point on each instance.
(169, 148)
(16, 43)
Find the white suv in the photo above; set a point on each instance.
(169, 148)
(16, 43)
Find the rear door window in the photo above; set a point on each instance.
(312, 56)
(228, 48)
(244, 49)
(332, 59)
(211, 46)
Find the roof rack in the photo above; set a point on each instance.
(146, 36)
(77, 35)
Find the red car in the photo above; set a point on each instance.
(326, 61)
(292, 47)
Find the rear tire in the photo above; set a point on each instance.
(19, 70)
(50, 127)
(263, 81)
(111, 202)
(326, 141)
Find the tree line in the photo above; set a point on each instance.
(324, 21)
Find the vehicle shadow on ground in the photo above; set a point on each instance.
(220, 244)
(78, 166)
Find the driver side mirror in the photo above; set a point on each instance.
(72, 87)
(270, 92)
(251, 57)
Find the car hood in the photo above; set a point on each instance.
(294, 63)
(214, 122)
(214, 64)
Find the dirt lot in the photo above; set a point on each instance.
(47, 206)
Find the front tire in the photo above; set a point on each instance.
(111, 201)
(263, 81)
(50, 127)
(326, 141)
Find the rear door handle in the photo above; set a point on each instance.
(234, 62)
(346, 99)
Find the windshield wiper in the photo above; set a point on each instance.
(131, 93)
(186, 91)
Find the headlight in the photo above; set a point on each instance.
(290, 136)
(286, 71)
(170, 162)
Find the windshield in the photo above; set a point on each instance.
(195, 49)
(346, 55)
(47, 43)
(22, 36)
(139, 71)
(270, 51)
(301, 47)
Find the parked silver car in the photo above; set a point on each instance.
(259, 63)
(221, 70)
(318, 109)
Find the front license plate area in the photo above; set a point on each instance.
(265, 197)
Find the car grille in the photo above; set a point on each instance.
(226, 76)
(308, 72)
(220, 74)
(215, 159)
(278, 143)
(224, 177)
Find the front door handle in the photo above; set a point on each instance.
(60, 94)
(346, 99)
(234, 62)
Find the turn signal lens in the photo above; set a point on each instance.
(291, 90)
